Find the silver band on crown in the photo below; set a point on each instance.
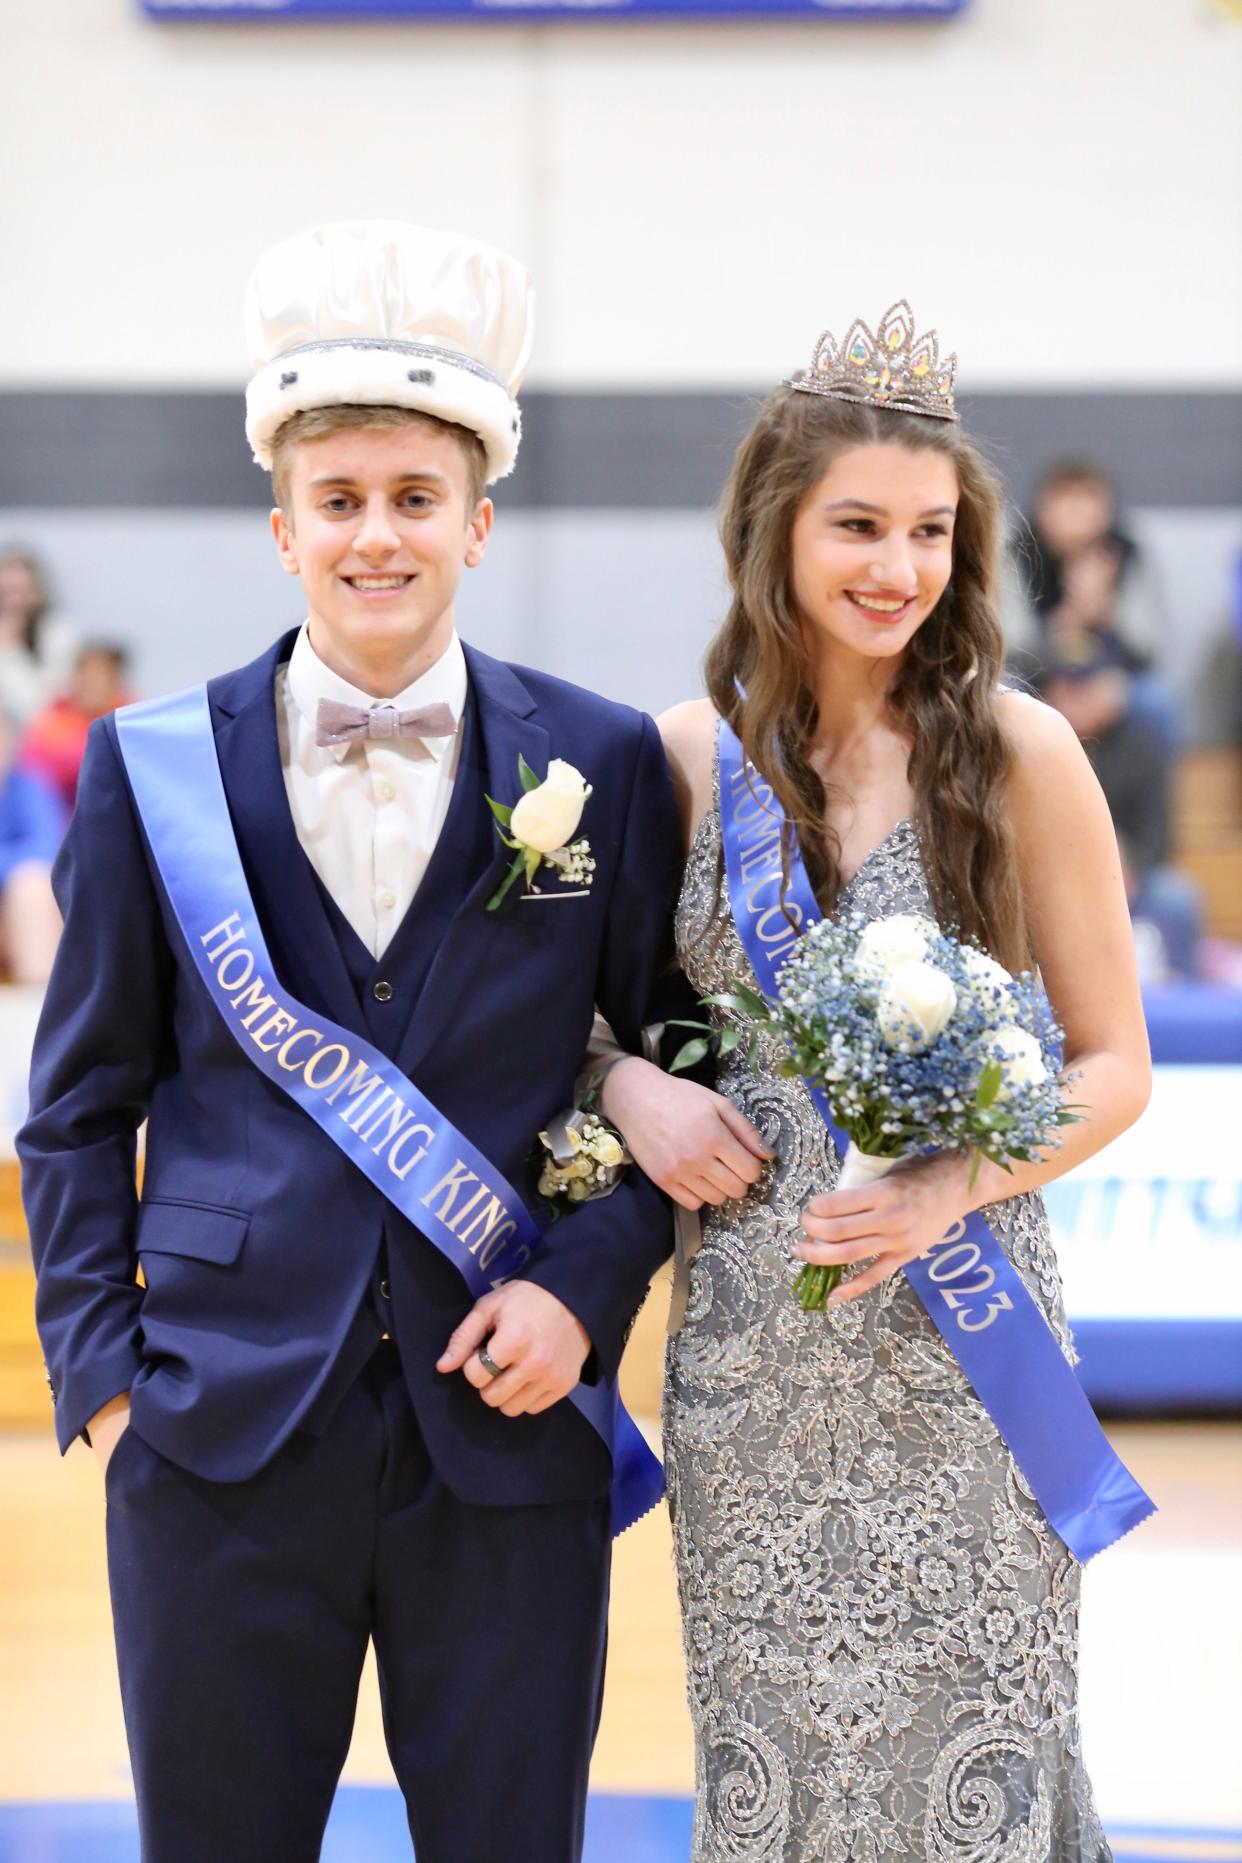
(894, 369)
(424, 352)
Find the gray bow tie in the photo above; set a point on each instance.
(343, 724)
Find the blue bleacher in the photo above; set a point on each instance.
(1194, 1024)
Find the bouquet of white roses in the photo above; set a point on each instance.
(920, 1043)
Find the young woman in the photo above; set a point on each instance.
(37, 644)
(880, 1624)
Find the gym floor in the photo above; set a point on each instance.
(1161, 1677)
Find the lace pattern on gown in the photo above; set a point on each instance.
(880, 1626)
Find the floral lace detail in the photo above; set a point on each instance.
(880, 1625)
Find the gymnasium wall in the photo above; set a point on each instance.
(696, 202)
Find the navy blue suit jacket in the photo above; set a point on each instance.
(257, 1239)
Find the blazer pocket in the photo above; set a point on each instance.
(203, 1231)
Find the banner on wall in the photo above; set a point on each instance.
(1148, 1234)
(551, 9)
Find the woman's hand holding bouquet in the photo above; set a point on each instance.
(931, 1057)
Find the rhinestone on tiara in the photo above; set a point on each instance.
(892, 369)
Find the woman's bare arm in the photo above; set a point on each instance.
(692, 1142)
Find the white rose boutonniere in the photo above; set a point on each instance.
(539, 827)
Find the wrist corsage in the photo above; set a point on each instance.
(582, 1159)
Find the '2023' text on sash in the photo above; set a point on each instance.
(977, 1300)
(427, 1169)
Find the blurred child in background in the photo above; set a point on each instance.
(55, 740)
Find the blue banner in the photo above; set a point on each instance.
(550, 9)
(972, 1292)
(412, 1154)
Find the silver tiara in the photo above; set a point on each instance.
(893, 369)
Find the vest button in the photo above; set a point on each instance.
(382, 991)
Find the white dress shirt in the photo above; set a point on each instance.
(368, 813)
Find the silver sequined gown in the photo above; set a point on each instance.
(880, 1626)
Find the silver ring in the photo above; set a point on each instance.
(488, 1363)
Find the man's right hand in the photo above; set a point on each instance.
(107, 1427)
(692, 1142)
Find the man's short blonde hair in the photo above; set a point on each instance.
(351, 417)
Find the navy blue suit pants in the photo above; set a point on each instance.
(243, 1612)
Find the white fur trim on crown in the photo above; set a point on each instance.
(382, 372)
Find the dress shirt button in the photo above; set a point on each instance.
(382, 991)
(386, 792)
(387, 901)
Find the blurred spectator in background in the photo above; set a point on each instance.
(32, 822)
(37, 645)
(1084, 680)
(55, 740)
(1079, 573)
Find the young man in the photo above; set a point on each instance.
(315, 1429)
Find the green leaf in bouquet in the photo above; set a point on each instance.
(503, 811)
(729, 1039)
(529, 779)
(742, 1000)
(532, 857)
(989, 1084)
(690, 1055)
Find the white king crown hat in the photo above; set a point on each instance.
(378, 313)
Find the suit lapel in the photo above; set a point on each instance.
(508, 731)
(303, 946)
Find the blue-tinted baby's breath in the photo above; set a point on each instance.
(964, 1091)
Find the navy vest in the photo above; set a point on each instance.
(388, 989)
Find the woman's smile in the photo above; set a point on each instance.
(882, 608)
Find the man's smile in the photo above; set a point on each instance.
(378, 585)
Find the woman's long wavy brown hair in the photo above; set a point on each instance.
(943, 697)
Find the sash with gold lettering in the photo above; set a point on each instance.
(427, 1169)
(974, 1295)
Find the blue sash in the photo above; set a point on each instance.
(394, 1135)
(973, 1293)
